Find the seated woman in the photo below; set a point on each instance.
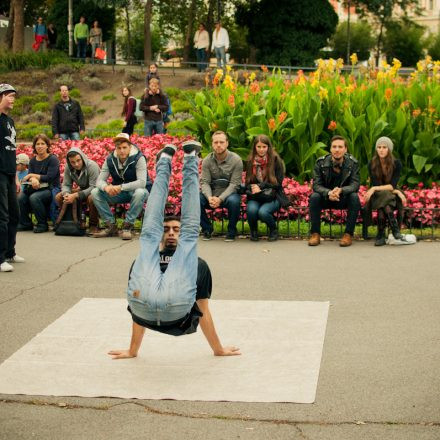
(383, 196)
(43, 177)
(265, 195)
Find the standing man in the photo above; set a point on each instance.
(127, 167)
(169, 286)
(220, 43)
(67, 117)
(201, 44)
(154, 104)
(9, 184)
(81, 37)
(220, 180)
(335, 185)
(40, 34)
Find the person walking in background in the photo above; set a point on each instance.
(52, 35)
(81, 36)
(128, 111)
(201, 44)
(95, 36)
(154, 105)
(40, 34)
(220, 43)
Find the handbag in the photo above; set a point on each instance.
(68, 221)
(100, 53)
(266, 195)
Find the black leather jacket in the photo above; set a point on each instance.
(322, 174)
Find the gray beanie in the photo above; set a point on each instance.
(387, 141)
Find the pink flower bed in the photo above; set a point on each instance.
(420, 199)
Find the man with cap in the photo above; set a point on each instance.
(336, 184)
(22, 167)
(9, 184)
(127, 167)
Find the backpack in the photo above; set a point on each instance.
(138, 112)
(68, 221)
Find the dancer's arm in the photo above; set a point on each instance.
(207, 325)
(137, 334)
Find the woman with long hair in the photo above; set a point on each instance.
(264, 177)
(43, 177)
(128, 111)
(383, 195)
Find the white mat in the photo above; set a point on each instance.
(281, 342)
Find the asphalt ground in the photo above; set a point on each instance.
(379, 372)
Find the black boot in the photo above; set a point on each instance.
(273, 235)
(394, 226)
(380, 237)
(254, 234)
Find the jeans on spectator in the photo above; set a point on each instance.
(8, 216)
(81, 47)
(317, 203)
(150, 126)
(135, 198)
(70, 136)
(38, 203)
(94, 47)
(167, 296)
(232, 204)
(201, 58)
(129, 126)
(220, 54)
(262, 211)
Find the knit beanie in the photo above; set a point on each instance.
(387, 141)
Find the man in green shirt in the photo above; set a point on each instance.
(81, 36)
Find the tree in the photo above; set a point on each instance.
(382, 12)
(361, 40)
(290, 33)
(18, 37)
(434, 47)
(147, 31)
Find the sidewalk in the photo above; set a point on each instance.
(379, 374)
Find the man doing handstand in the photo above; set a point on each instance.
(168, 289)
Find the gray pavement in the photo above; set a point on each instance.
(379, 373)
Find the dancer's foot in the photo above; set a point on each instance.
(169, 150)
(190, 146)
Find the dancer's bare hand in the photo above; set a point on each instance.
(121, 354)
(228, 351)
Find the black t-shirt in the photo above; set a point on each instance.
(335, 178)
(188, 324)
(7, 145)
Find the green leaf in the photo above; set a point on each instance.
(419, 162)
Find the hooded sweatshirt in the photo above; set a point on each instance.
(129, 185)
(85, 178)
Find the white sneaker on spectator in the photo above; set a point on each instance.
(15, 259)
(6, 267)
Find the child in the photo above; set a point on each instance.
(22, 162)
(152, 73)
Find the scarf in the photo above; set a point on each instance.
(259, 169)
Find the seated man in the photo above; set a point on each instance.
(221, 177)
(83, 172)
(336, 186)
(128, 168)
(168, 290)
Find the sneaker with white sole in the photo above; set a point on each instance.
(15, 259)
(6, 267)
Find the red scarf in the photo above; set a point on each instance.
(259, 169)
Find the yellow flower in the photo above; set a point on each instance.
(385, 65)
(353, 59)
(323, 93)
(315, 83)
(228, 68)
(252, 76)
(396, 64)
(219, 72)
(339, 63)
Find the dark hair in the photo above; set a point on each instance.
(125, 107)
(171, 218)
(153, 64)
(338, 137)
(202, 24)
(73, 154)
(383, 173)
(272, 157)
(44, 138)
(219, 132)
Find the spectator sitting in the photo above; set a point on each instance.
(67, 117)
(336, 186)
(152, 73)
(43, 177)
(83, 173)
(154, 105)
(220, 180)
(383, 195)
(22, 162)
(127, 167)
(264, 178)
(128, 111)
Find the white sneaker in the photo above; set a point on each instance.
(6, 267)
(15, 259)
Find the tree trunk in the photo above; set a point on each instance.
(18, 39)
(10, 32)
(379, 42)
(147, 31)
(127, 21)
(189, 31)
(210, 23)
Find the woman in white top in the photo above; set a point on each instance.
(201, 44)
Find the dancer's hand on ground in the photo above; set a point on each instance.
(228, 351)
(121, 354)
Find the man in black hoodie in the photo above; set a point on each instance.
(67, 117)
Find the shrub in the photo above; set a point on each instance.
(434, 47)
(101, 111)
(30, 130)
(109, 97)
(135, 76)
(24, 103)
(88, 111)
(62, 69)
(173, 92)
(65, 80)
(10, 62)
(116, 124)
(94, 83)
(180, 106)
(41, 107)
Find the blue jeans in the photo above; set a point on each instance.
(232, 204)
(220, 54)
(168, 296)
(81, 47)
(8, 216)
(201, 58)
(70, 136)
(262, 211)
(136, 199)
(38, 203)
(150, 126)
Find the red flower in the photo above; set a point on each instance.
(332, 126)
